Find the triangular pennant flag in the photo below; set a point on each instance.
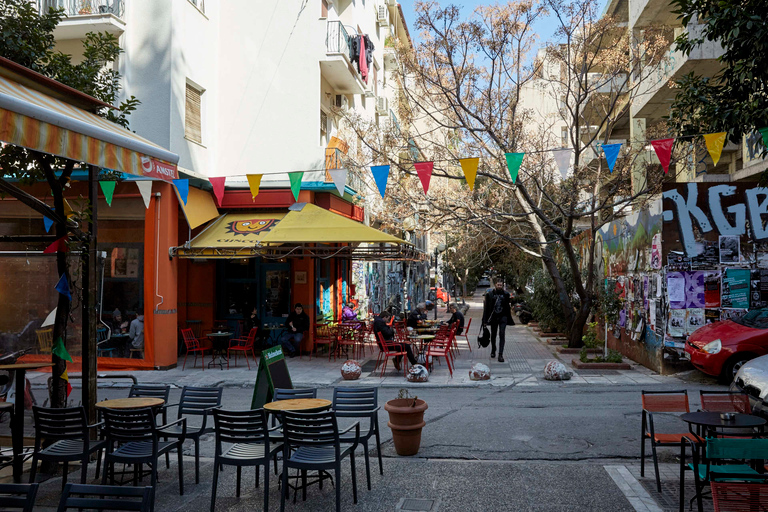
(218, 187)
(380, 176)
(108, 187)
(611, 153)
(339, 177)
(68, 211)
(295, 178)
(254, 182)
(764, 133)
(563, 160)
(47, 223)
(514, 161)
(469, 166)
(182, 186)
(145, 189)
(58, 245)
(63, 287)
(65, 377)
(714, 143)
(663, 150)
(424, 170)
(59, 350)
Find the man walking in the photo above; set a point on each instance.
(497, 314)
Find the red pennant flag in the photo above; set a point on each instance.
(663, 150)
(218, 187)
(424, 170)
(58, 245)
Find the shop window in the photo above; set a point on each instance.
(123, 299)
(193, 122)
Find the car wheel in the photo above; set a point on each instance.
(733, 365)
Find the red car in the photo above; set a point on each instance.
(441, 295)
(721, 348)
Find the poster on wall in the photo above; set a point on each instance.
(732, 314)
(656, 251)
(659, 317)
(730, 249)
(694, 318)
(712, 289)
(678, 261)
(694, 289)
(711, 315)
(708, 257)
(652, 316)
(676, 290)
(735, 288)
(758, 288)
(645, 292)
(676, 326)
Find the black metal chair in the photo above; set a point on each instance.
(361, 403)
(312, 442)
(18, 496)
(133, 437)
(67, 430)
(111, 497)
(161, 391)
(196, 402)
(288, 394)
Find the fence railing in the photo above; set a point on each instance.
(337, 39)
(84, 7)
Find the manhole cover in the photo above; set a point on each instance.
(417, 505)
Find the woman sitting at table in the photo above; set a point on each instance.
(348, 313)
(296, 325)
(388, 334)
(417, 315)
(457, 317)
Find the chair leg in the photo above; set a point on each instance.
(105, 472)
(354, 476)
(266, 484)
(338, 487)
(239, 472)
(215, 484)
(84, 469)
(98, 463)
(245, 354)
(197, 460)
(367, 464)
(33, 470)
(284, 490)
(378, 451)
(656, 466)
(153, 481)
(642, 447)
(258, 470)
(227, 359)
(64, 474)
(185, 361)
(303, 485)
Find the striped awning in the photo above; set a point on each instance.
(36, 121)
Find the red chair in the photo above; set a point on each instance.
(243, 345)
(346, 338)
(465, 334)
(441, 347)
(325, 334)
(388, 349)
(192, 344)
(739, 496)
(725, 401)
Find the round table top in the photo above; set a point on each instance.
(423, 336)
(130, 403)
(5, 405)
(298, 404)
(713, 419)
(25, 366)
(120, 335)
(219, 334)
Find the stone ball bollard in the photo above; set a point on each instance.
(555, 370)
(351, 370)
(479, 371)
(418, 373)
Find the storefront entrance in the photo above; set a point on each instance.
(249, 282)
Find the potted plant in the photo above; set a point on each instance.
(406, 419)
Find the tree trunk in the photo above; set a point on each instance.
(59, 386)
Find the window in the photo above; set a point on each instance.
(193, 124)
(564, 136)
(324, 9)
(323, 128)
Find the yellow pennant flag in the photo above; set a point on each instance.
(254, 181)
(714, 142)
(68, 211)
(469, 166)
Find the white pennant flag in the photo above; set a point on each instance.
(339, 177)
(563, 159)
(145, 188)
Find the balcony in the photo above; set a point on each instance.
(85, 16)
(337, 66)
(644, 13)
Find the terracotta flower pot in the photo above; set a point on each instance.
(406, 421)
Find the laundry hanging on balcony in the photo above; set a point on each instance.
(362, 48)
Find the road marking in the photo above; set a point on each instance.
(640, 500)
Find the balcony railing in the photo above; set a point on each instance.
(84, 7)
(337, 39)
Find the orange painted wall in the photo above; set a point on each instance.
(197, 297)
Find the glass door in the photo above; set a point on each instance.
(275, 291)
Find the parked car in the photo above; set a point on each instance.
(752, 379)
(484, 282)
(441, 295)
(721, 348)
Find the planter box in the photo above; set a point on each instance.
(552, 335)
(555, 341)
(577, 364)
(533, 324)
(566, 350)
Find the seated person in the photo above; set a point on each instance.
(348, 313)
(380, 325)
(417, 315)
(136, 332)
(296, 325)
(251, 321)
(456, 317)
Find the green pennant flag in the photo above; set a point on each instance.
(59, 350)
(764, 133)
(295, 178)
(108, 187)
(514, 161)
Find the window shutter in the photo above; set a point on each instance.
(193, 129)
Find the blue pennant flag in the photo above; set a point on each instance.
(47, 223)
(183, 187)
(63, 287)
(380, 176)
(611, 153)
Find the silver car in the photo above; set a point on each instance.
(752, 379)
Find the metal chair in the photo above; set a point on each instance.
(243, 345)
(102, 337)
(287, 394)
(325, 334)
(249, 437)
(441, 347)
(361, 403)
(465, 334)
(312, 442)
(192, 344)
(111, 497)
(161, 391)
(68, 432)
(18, 496)
(345, 339)
(387, 350)
(725, 401)
(739, 497)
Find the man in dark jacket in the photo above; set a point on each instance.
(416, 315)
(388, 333)
(457, 317)
(497, 314)
(296, 325)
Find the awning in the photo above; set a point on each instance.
(34, 120)
(233, 235)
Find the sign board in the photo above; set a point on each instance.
(273, 373)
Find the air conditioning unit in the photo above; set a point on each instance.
(382, 16)
(340, 101)
(382, 106)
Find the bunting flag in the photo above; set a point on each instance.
(68, 211)
(254, 182)
(59, 245)
(424, 170)
(182, 187)
(514, 161)
(764, 133)
(145, 189)
(380, 176)
(714, 143)
(108, 188)
(611, 153)
(295, 178)
(63, 287)
(218, 187)
(469, 167)
(65, 377)
(563, 159)
(59, 350)
(47, 223)
(339, 177)
(663, 150)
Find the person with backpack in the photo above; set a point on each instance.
(498, 314)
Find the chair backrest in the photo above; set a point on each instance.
(310, 429)
(125, 425)
(324, 333)
(64, 423)
(665, 401)
(249, 426)
(725, 401)
(739, 497)
(150, 391)
(735, 448)
(189, 338)
(110, 497)
(355, 402)
(466, 326)
(45, 339)
(251, 338)
(195, 401)
(385, 345)
(102, 334)
(18, 496)
(286, 394)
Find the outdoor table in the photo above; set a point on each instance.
(711, 421)
(17, 421)
(273, 334)
(120, 342)
(298, 404)
(130, 403)
(219, 341)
